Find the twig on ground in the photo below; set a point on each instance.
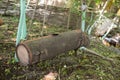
(96, 54)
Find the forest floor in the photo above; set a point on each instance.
(84, 66)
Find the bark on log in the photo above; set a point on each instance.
(47, 47)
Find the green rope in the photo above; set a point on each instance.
(22, 30)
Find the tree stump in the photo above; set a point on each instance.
(48, 47)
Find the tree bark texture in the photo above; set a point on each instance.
(47, 47)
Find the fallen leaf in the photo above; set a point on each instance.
(0, 58)
(50, 76)
(10, 32)
(1, 21)
(13, 39)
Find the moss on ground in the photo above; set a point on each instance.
(84, 66)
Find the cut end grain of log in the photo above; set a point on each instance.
(24, 58)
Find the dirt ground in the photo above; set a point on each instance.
(84, 66)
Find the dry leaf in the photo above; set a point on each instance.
(50, 76)
(0, 58)
(1, 21)
(13, 39)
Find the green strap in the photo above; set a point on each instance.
(22, 30)
(83, 21)
(83, 16)
(83, 48)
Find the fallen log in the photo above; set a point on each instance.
(47, 47)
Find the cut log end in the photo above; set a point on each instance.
(23, 54)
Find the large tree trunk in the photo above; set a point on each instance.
(47, 47)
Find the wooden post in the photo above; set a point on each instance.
(47, 47)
